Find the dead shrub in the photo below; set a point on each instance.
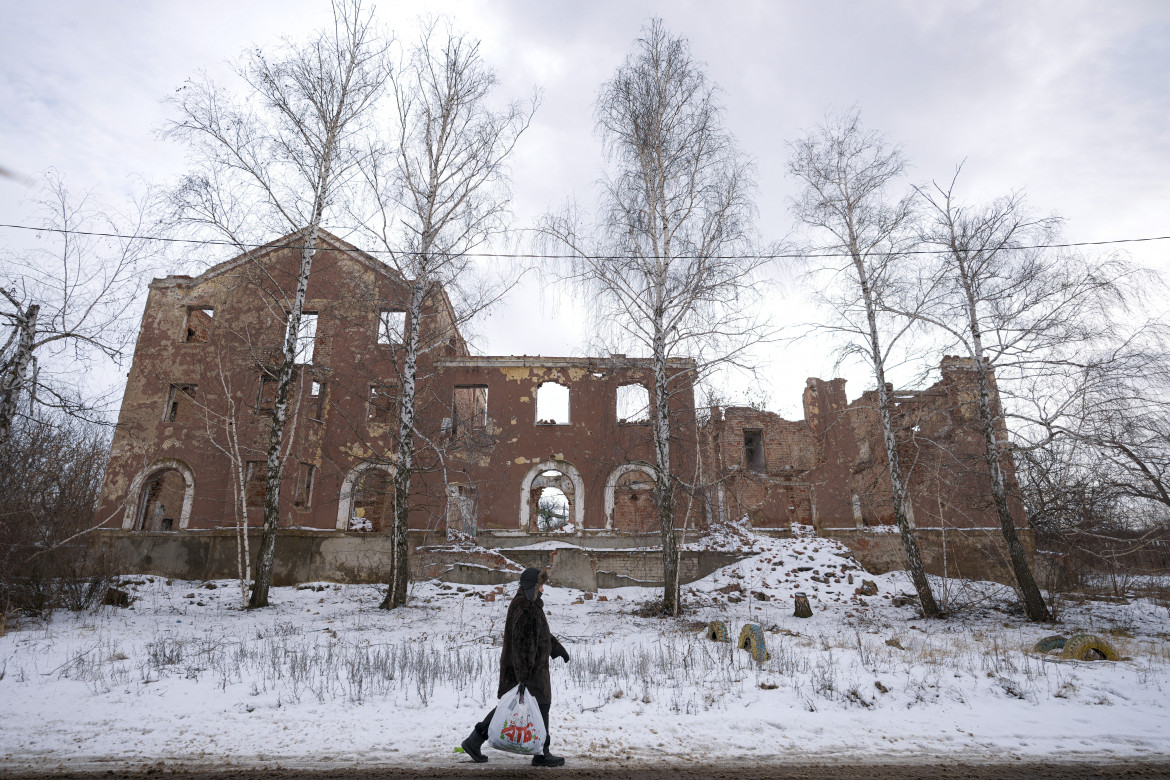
(50, 476)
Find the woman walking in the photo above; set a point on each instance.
(528, 645)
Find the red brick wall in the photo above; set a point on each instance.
(832, 465)
(243, 339)
(335, 433)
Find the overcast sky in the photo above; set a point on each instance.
(1068, 100)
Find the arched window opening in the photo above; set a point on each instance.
(162, 501)
(634, 510)
(633, 404)
(551, 502)
(553, 510)
(552, 404)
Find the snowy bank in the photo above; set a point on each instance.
(325, 679)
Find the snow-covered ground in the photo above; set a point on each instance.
(325, 678)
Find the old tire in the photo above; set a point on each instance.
(1050, 643)
(751, 638)
(717, 631)
(1089, 647)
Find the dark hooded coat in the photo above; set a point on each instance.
(528, 644)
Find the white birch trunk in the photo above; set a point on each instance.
(1034, 604)
(897, 483)
(273, 474)
(14, 380)
(663, 480)
(400, 531)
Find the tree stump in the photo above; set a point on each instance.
(803, 610)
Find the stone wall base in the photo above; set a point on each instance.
(312, 556)
(970, 553)
(586, 563)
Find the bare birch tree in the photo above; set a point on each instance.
(668, 262)
(441, 191)
(63, 308)
(847, 173)
(279, 160)
(226, 422)
(1036, 319)
(1124, 412)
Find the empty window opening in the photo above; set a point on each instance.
(162, 501)
(753, 449)
(381, 409)
(373, 501)
(858, 517)
(391, 327)
(462, 506)
(305, 478)
(552, 404)
(633, 404)
(552, 509)
(551, 502)
(306, 338)
(180, 403)
(257, 478)
(470, 412)
(266, 398)
(198, 324)
(317, 401)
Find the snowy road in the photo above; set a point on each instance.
(1017, 770)
(325, 684)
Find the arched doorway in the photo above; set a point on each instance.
(552, 503)
(629, 499)
(558, 485)
(367, 499)
(162, 496)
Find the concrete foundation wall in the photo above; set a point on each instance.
(308, 556)
(972, 553)
(589, 564)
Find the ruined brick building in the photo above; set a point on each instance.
(187, 456)
(202, 383)
(829, 470)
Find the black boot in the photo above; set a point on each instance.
(547, 759)
(472, 744)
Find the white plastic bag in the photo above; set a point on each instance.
(517, 726)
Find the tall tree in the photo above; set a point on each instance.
(1123, 413)
(63, 307)
(278, 160)
(847, 173)
(668, 260)
(1023, 313)
(440, 190)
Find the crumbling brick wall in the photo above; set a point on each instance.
(830, 469)
(605, 460)
(204, 373)
(214, 343)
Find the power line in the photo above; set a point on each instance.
(537, 256)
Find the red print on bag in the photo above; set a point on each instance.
(516, 733)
